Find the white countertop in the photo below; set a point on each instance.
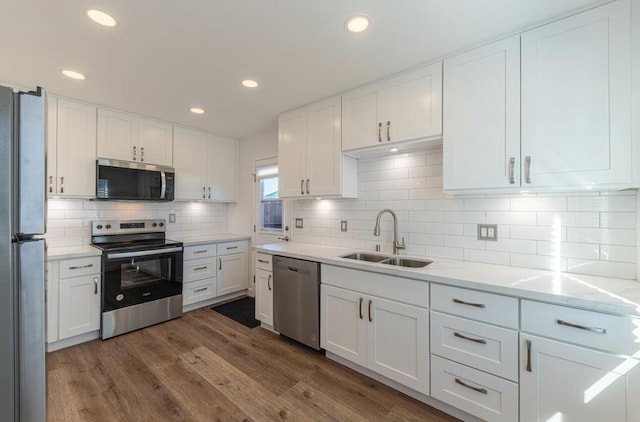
(209, 238)
(70, 252)
(590, 292)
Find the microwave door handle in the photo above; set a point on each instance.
(163, 188)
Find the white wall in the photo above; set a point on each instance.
(584, 232)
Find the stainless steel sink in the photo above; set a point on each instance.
(365, 257)
(406, 262)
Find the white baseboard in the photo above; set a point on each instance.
(72, 341)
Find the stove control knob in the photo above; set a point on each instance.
(99, 227)
(154, 224)
(108, 226)
(161, 224)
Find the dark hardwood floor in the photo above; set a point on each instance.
(206, 367)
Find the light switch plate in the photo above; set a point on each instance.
(298, 223)
(343, 225)
(488, 232)
(172, 218)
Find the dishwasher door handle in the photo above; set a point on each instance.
(295, 270)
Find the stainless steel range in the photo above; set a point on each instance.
(141, 274)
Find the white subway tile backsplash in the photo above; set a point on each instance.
(582, 232)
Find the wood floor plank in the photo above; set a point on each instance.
(308, 401)
(255, 400)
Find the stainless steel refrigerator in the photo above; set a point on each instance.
(22, 251)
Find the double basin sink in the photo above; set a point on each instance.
(389, 260)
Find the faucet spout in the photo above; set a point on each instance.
(376, 230)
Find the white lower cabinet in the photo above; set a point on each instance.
(264, 288)
(233, 272)
(385, 336)
(73, 297)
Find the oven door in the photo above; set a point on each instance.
(134, 181)
(131, 278)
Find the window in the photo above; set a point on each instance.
(270, 205)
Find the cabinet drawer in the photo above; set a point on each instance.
(198, 269)
(591, 329)
(198, 291)
(228, 248)
(199, 251)
(485, 307)
(263, 261)
(481, 346)
(78, 267)
(485, 396)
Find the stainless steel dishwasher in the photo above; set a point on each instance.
(296, 300)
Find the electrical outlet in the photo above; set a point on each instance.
(488, 232)
(172, 218)
(298, 223)
(343, 225)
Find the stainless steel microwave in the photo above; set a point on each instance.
(124, 180)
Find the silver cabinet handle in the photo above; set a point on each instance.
(231, 247)
(582, 327)
(528, 343)
(512, 164)
(269, 282)
(360, 308)
(50, 184)
(95, 285)
(370, 318)
(302, 186)
(527, 169)
(209, 192)
(462, 302)
(200, 251)
(141, 153)
(81, 266)
(134, 153)
(220, 263)
(204, 192)
(200, 268)
(379, 131)
(477, 340)
(307, 186)
(61, 184)
(388, 127)
(464, 384)
(263, 261)
(202, 289)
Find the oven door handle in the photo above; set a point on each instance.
(163, 188)
(143, 253)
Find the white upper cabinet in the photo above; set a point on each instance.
(401, 108)
(576, 85)
(205, 166)
(575, 82)
(310, 159)
(481, 145)
(71, 159)
(123, 136)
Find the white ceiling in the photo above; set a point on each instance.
(168, 55)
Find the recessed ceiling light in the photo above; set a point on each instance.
(394, 149)
(357, 23)
(73, 74)
(102, 18)
(250, 83)
(196, 110)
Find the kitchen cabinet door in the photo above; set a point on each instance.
(481, 138)
(398, 342)
(343, 327)
(363, 111)
(324, 148)
(79, 305)
(190, 164)
(222, 160)
(576, 100)
(414, 104)
(559, 381)
(155, 142)
(233, 273)
(76, 149)
(292, 155)
(117, 135)
(264, 296)
(52, 147)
